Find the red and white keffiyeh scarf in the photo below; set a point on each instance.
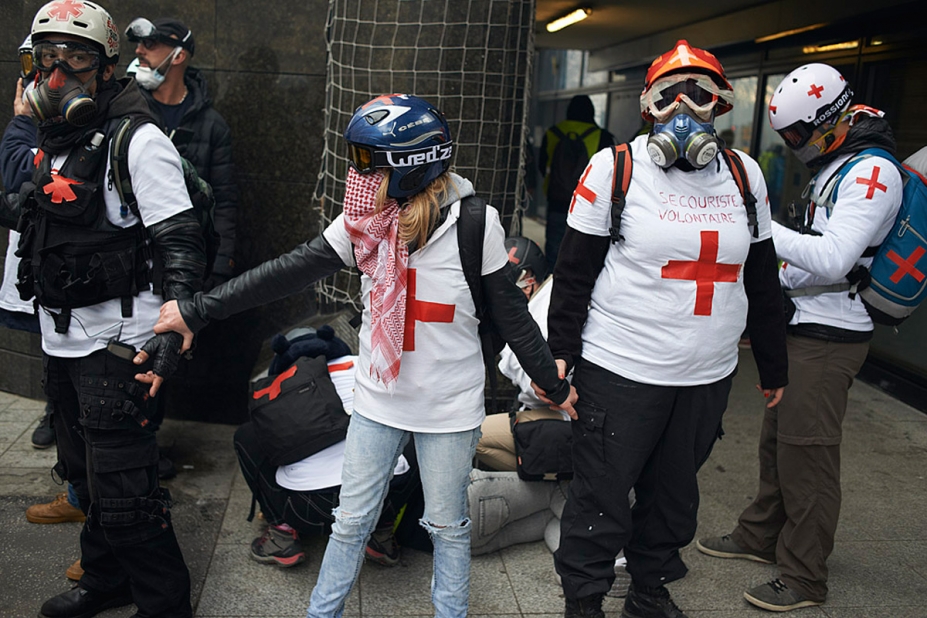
(382, 257)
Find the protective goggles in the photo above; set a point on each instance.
(142, 31)
(70, 56)
(699, 92)
(365, 159)
(799, 133)
(525, 280)
(25, 61)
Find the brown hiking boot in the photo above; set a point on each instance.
(55, 512)
(75, 571)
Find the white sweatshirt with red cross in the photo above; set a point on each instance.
(669, 306)
(868, 199)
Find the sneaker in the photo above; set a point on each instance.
(586, 607)
(382, 547)
(44, 434)
(280, 547)
(80, 603)
(777, 597)
(75, 571)
(643, 602)
(725, 547)
(57, 511)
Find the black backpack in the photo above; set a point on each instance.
(567, 163)
(198, 189)
(470, 229)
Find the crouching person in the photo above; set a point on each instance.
(298, 499)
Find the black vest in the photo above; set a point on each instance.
(71, 254)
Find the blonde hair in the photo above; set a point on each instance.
(418, 216)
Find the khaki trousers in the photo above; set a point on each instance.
(794, 516)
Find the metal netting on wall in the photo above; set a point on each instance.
(470, 58)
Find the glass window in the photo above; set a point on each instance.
(736, 126)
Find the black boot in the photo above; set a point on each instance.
(80, 603)
(44, 434)
(643, 602)
(586, 607)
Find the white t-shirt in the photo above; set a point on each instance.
(158, 184)
(509, 366)
(323, 469)
(9, 295)
(440, 383)
(669, 306)
(868, 199)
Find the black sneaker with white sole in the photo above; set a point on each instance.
(775, 596)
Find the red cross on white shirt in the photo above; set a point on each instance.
(421, 311)
(582, 190)
(706, 271)
(873, 183)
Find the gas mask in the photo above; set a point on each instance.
(151, 79)
(62, 94)
(683, 136)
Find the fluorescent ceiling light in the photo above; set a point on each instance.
(569, 19)
(785, 33)
(816, 49)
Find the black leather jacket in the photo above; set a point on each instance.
(314, 260)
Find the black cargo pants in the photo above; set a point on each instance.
(107, 451)
(650, 438)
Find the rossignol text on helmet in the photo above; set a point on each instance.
(811, 97)
(79, 18)
(404, 133)
(525, 255)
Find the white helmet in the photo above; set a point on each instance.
(810, 97)
(79, 18)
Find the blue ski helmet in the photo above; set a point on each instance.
(404, 133)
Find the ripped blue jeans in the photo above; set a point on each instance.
(444, 460)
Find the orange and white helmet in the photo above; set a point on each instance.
(685, 74)
(79, 18)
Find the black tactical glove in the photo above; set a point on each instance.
(164, 351)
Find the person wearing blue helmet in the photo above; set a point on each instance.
(420, 367)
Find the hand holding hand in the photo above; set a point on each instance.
(773, 394)
(171, 320)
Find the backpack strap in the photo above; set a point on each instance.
(122, 182)
(739, 172)
(556, 131)
(624, 165)
(471, 226)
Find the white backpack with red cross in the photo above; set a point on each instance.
(896, 282)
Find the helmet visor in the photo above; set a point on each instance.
(699, 92)
(70, 56)
(141, 29)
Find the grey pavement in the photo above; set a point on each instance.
(878, 569)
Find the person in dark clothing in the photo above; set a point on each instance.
(793, 518)
(559, 184)
(93, 318)
(651, 321)
(178, 97)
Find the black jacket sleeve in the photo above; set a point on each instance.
(274, 279)
(765, 317)
(179, 243)
(579, 263)
(222, 180)
(510, 315)
(16, 152)
(10, 210)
